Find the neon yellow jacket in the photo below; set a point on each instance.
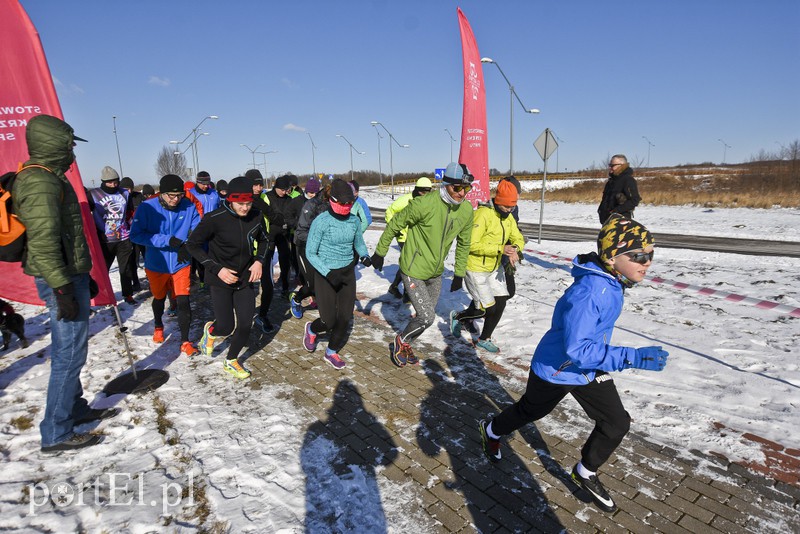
(490, 235)
(396, 207)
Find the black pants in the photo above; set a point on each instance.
(335, 309)
(307, 273)
(284, 259)
(233, 315)
(184, 314)
(398, 277)
(599, 399)
(122, 251)
(491, 315)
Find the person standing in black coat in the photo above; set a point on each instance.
(231, 267)
(620, 194)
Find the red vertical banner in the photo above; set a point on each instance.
(474, 142)
(27, 90)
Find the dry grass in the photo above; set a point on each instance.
(753, 185)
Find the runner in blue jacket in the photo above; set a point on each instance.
(575, 355)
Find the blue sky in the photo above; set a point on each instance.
(682, 73)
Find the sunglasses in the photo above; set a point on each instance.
(640, 257)
(460, 188)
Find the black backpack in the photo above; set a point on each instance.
(12, 231)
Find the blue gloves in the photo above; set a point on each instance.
(649, 359)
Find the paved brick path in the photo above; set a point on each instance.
(424, 418)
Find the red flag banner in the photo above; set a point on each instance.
(27, 90)
(474, 141)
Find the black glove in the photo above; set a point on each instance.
(377, 262)
(67, 305)
(183, 254)
(366, 262)
(174, 242)
(336, 278)
(94, 289)
(458, 281)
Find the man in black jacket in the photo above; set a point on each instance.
(620, 194)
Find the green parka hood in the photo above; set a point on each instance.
(50, 142)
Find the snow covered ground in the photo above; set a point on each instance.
(730, 363)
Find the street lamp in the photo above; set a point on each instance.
(649, 145)
(511, 122)
(195, 155)
(313, 159)
(193, 146)
(725, 147)
(380, 172)
(264, 155)
(351, 154)
(391, 158)
(252, 151)
(119, 158)
(451, 143)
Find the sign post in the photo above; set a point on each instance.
(545, 145)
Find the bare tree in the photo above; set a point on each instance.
(169, 162)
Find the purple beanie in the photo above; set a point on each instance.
(313, 185)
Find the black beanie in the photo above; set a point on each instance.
(240, 184)
(283, 182)
(341, 192)
(255, 176)
(222, 185)
(354, 184)
(147, 190)
(126, 183)
(171, 183)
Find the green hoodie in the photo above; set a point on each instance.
(47, 205)
(433, 225)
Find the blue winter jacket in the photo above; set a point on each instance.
(331, 242)
(578, 342)
(153, 225)
(209, 199)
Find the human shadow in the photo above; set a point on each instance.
(339, 457)
(484, 487)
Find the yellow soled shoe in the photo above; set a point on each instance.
(236, 369)
(206, 344)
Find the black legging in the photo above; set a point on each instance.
(233, 314)
(492, 317)
(306, 272)
(599, 399)
(335, 308)
(398, 277)
(284, 259)
(122, 251)
(184, 314)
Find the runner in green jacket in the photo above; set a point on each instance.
(433, 222)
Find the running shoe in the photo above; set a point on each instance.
(593, 487)
(455, 325)
(397, 352)
(491, 447)
(263, 324)
(335, 360)
(487, 345)
(297, 307)
(236, 369)
(206, 344)
(158, 334)
(188, 349)
(309, 338)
